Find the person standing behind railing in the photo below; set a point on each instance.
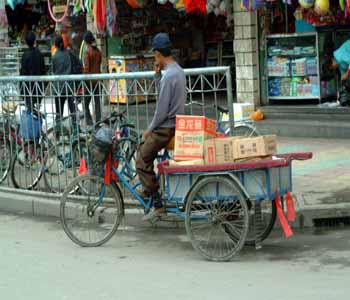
(62, 65)
(32, 64)
(92, 65)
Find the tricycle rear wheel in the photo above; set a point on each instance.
(268, 219)
(217, 218)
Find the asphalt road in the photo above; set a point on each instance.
(38, 261)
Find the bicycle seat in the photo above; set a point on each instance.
(171, 144)
(221, 109)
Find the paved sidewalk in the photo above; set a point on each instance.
(321, 185)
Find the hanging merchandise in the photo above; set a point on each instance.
(88, 6)
(196, 6)
(306, 3)
(245, 4)
(100, 16)
(78, 7)
(341, 4)
(180, 6)
(258, 3)
(133, 3)
(321, 7)
(52, 15)
(111, 16)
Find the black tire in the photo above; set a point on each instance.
(244, 130)
(269, 215)
(77, 203)
(5, 159)
(226, 212)
(26, 167)
(61, 164)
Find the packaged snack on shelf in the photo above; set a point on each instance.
(275, 87)
(311, 66)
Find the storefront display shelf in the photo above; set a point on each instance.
(293, 97)
(292, 76)
(293, 67)
(293, 55)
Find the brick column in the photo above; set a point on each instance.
(245, 48)
(3, 31)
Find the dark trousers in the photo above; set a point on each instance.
(87, 101)
(59, 104)
(147, 153)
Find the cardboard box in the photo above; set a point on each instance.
(219, 150)
(242, 111)
(254, 147)
(194, 162)
(191, 132)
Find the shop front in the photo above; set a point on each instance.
(45, 19)
(295, 39)
(199, 39)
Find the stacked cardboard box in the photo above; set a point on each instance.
(233, 149)
(191, 133)
(196, 143)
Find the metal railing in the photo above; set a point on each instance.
(45, 120)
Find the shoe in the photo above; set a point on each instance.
(154, 213)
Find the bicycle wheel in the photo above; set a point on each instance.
(217, 218)
(5, 159)
(244, 130)
(268, 219)
(26, 168)
(61, 164)
(91, 215)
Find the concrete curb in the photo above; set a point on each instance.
(44, 204)
(34, 203)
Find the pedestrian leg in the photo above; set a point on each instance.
(97, 100)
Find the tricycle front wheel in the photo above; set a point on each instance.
(217, 218)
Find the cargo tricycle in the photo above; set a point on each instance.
(223, 206)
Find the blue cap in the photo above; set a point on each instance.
(161, 41)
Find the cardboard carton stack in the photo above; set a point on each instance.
(196, 143)
(191, 133)
(234, 149)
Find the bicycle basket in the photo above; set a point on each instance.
(101, 145)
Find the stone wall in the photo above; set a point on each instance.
(245, 48)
